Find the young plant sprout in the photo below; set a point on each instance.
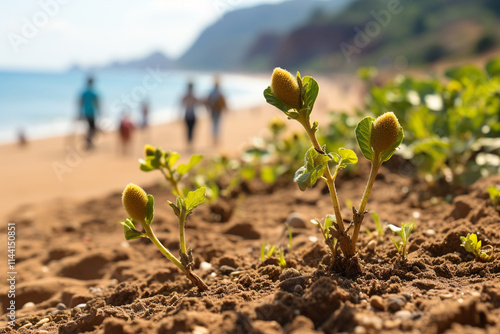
(494, 193)
(404, 233)
(378, 224)
(266, 251)
(140, 207)
(472, 245)
(378, 139)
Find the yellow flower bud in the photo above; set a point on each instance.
(385, 132)
(149, 150)
(285, 87)
(135, 202)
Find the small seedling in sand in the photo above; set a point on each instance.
(494, 195)
(472, 245)
(281, 258)
(156, 159)
(404, 232)
(378, 139)
(379, 228)
(140, 207)
(266, 251)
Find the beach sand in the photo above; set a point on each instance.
(52, 169)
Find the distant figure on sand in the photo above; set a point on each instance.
(216, 103)
(145, 115)
(89, 109)
(125, 131)
(189, 102)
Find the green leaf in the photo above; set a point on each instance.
(171, 158)
(376, 218)
(151, 210)
(274, 101)
(348, 157)
(184, 168)
(247, 172)
(407, 228)
(311, 90)
(494, 193)
(314, 167)
(177, 211)
(363, 136)
(398, 230)
(398, 244)
(130, 230)
(388, 154)
(268, 175)
(493, 67)
(329, 222)
(146, 166)
(195, 198)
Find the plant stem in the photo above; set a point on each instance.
(376, 163)
(150, 234)
(182, 230)
(330, 180)
(170, 178)
(195, 279)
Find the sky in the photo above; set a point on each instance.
(56, 34)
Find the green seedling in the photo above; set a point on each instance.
(494, 193)
(281, 258)
(266, 251)
(378, 139)
(157, 159)
(472, 245)
(404, 233)
(378, 224)
(140, 207)
(290, 236)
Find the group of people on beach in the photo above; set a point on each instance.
(216, 105)
(89, 109)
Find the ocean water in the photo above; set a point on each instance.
(46, 104)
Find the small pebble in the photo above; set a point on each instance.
(372, 322)
(430, 233)
(312, 238)
(28, 305)
(80, 306)
(295, 219)
(395, 304)
(372, 245)
(205, 266)
(298, 289)
(95, 290)
(200, 330)
(41, 322)
(359, 330)
(288, 273)
(226, 270)
(391, 324)
(42, 331)
(61, 306)
(27, 325)
(403, 315)
(407, 296)
(377, 302)
(446, 296)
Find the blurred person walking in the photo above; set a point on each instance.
(216, 103)
(189, 102)
(125, 131)
(89, 109)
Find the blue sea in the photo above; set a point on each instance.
(46, 104)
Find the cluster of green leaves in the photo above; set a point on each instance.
(472, 245)
(164, 161)
(451, 126)
(404, 233)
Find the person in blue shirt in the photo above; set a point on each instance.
(89, 109)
